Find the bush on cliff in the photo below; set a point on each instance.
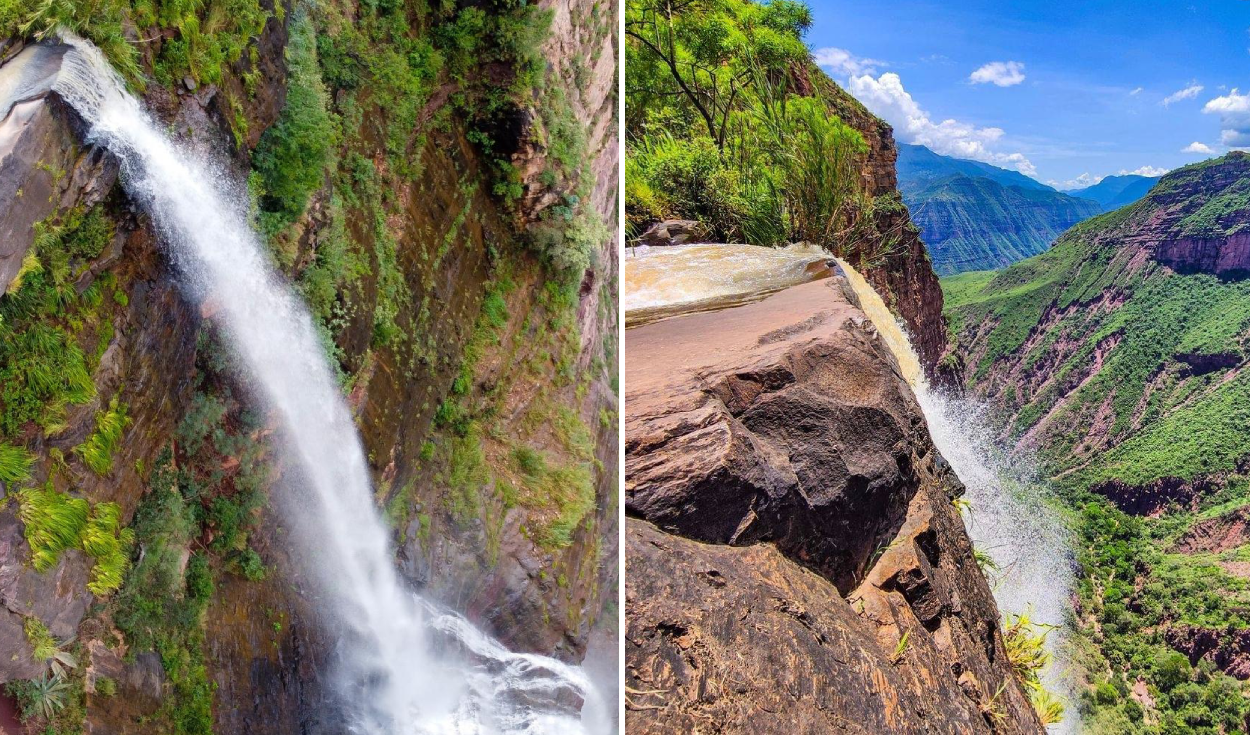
(293, 154)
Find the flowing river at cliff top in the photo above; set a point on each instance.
(1008, 517)
(403, 665)
(679, 279)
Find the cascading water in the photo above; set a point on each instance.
(1008, 516)
(404, 665)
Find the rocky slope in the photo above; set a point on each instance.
(463, 340)
(794, 560)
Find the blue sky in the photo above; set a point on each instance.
(1056, 90)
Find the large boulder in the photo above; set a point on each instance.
(796, 563)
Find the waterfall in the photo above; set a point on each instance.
(1008, 517)
(403, 665)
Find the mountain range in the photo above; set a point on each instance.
(975, 216)
(1114, 192)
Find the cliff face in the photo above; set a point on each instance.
(1119, 357)
(1124, 330)
(903, 275)
(794, 561)
(441, 406)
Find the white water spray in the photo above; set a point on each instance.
(405, 666)
(1008, 517)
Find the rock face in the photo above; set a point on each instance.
(42, 168)
(794, 562)
(904, 274)
(266, 648)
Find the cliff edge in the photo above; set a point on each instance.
(794, 560)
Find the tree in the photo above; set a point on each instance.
(705, 52)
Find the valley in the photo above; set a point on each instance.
(1118, 357)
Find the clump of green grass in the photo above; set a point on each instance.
(567, 489)
(109, 544)
(97, 452)
(15, 463)
(54, 523)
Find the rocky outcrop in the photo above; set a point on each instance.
(1228, 649)
(43, 169)
(1216, 535)
(794, 562)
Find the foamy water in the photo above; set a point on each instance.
(403, 665)
(664, 281)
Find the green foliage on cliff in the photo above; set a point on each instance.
(718, 131)
(294, 153)
(43, 321)
(98, 450)
(162, 604)
(55, 522)
(15, 463)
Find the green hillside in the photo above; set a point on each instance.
(1128, 376)
(976, 223)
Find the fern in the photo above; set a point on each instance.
(54, 522)
(97, 452)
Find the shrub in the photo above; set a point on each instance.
(293, 154)
(1171, 670)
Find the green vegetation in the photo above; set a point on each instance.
(295, 152)
(1133, 377)
(715, 132)
(46, 697)
(161, 606)
(97, 452)
(45, 323)
(55, 522)
(15, 463)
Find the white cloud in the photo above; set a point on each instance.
(886, 98)
(1183, 94)
(1079, 182)
(1234, 112)
(1145, 171)
(1196, 147)
(844, 62)
(1000, 73)
(1135, 92)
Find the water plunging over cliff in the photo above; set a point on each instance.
(1007, 518)
(404, 665)
(680, 279)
